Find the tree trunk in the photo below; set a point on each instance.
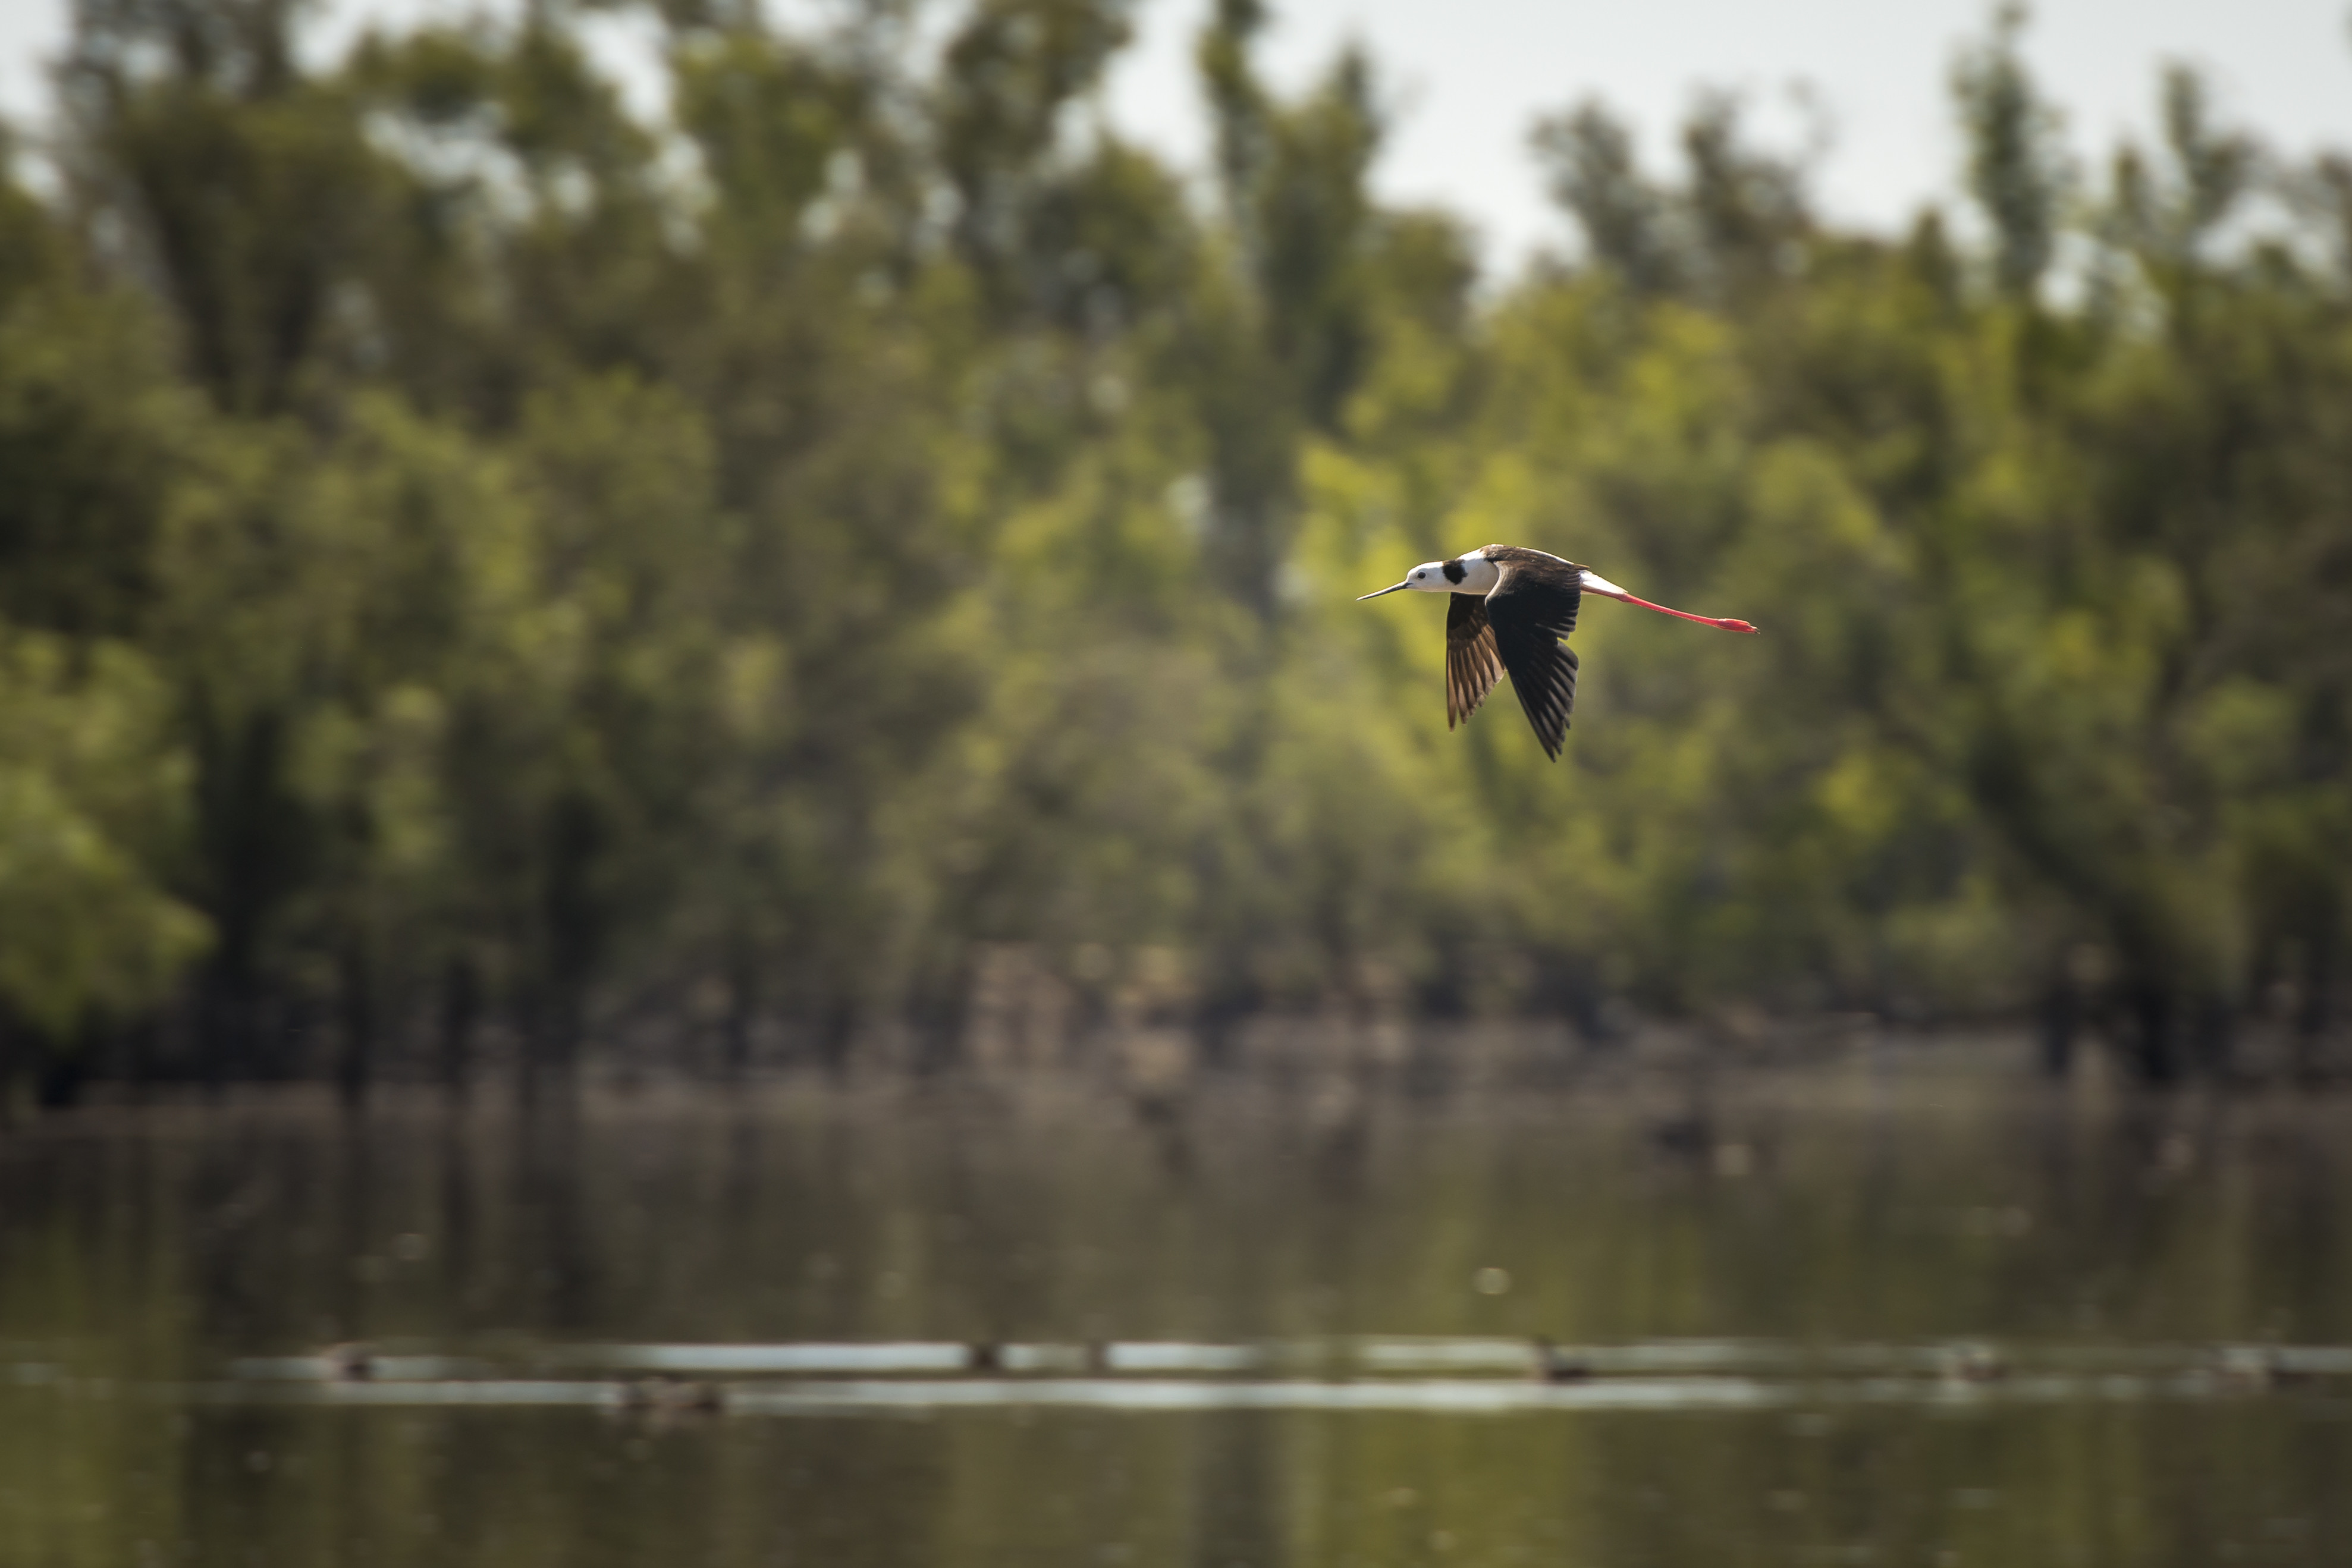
(2313, 1017)
(2213, 1038)
(549, 1051)
(225, 1012)
(2149, 1007)
(355, 1063)
(742, 1013)
(2061, 1020)
(460, 1003)
(837, 1035)
(139, 1043)
(939, 1012)
(530, 1046)
(59, 1075)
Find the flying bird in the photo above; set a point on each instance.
(1510, 609)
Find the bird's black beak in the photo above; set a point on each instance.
(1398, 589)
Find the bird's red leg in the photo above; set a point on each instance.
(1595, 583)
(1685, 615)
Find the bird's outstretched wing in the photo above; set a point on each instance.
(1530, 610)
(1471, 665)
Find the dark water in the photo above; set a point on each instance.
(1856, 1320)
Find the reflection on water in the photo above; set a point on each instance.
(974, 1325)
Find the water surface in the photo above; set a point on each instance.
(1875, 1319)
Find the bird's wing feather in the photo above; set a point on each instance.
(1530, 610)
(1471, 665)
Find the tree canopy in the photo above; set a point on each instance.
(476, 564)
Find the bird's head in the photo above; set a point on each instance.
(1472, 573)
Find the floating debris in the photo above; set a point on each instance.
(347, 1362)
(1973, 1363)
(666, 1394)
(1550, 1364)
(358, 1363)
(1436, 1374)
(715, 1360)
(2253, 1367)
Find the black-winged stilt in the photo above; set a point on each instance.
(1511, 607)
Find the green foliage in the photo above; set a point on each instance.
(475, 560)
(2016, 170)
(91, 802)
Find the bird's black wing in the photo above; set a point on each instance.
(1472, 667)
(1530, 610)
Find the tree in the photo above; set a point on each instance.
(2017, 170)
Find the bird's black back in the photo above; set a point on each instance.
(1530, 611)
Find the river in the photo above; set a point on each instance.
(1885, 1315)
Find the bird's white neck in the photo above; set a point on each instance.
(1479, 575)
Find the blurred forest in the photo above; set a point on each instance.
(484, 575)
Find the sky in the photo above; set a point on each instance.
(1467, 77)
